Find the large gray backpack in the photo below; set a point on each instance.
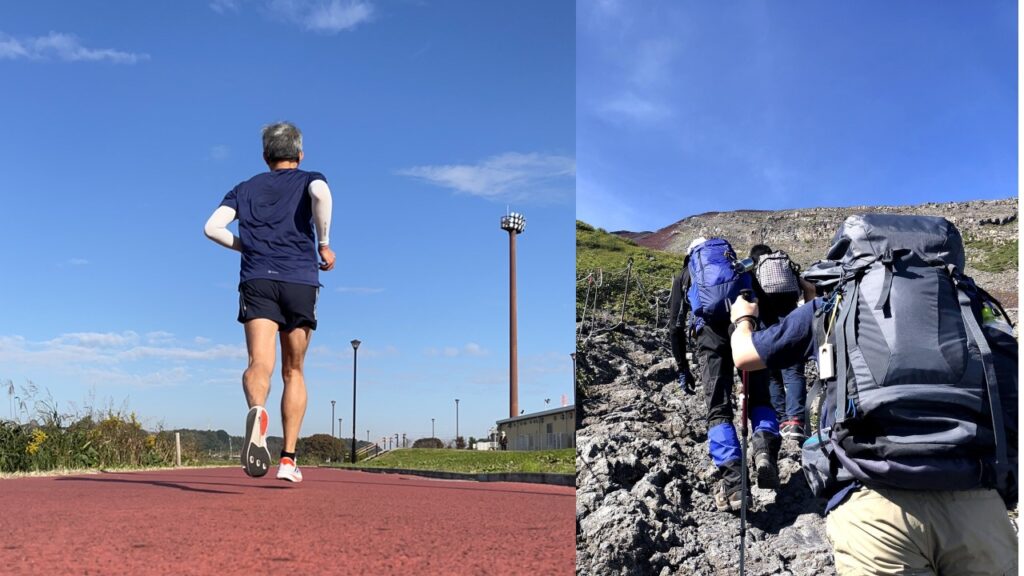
(924, 392)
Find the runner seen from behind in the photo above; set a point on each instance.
(277, 213)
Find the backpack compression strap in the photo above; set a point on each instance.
(887, 260)
(844, 333)
(995, 403)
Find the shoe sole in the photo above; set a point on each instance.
(289, 478)
(256, 456)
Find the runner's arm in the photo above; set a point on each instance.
(322, 204)
(216, 228)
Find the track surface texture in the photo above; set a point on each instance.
(219, 521)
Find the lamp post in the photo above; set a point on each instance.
(432, 428)
(339, 428)
(367, 436)
(332, 421)
(355, 358)
(456, 423)
(513, 223)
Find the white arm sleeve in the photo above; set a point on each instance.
(216, 228)
(322, 204)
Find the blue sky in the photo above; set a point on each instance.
(689, 107)
(127, 123)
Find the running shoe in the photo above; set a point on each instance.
(255, 456)
(793, 429)
(288, 470)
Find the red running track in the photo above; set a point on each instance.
(219, 521)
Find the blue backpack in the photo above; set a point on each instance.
(714, 282)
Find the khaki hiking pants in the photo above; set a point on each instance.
(882, 531)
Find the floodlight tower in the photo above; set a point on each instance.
(514, 223)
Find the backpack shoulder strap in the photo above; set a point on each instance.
(1002, 469)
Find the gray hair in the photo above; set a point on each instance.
(281, 141)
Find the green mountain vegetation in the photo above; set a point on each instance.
(992, 256)
(602, 260)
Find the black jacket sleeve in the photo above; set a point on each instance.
(679, 307)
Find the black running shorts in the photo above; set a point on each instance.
(290, 305)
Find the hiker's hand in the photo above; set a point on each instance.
(742, 307)
(326, 258)
(810, 290)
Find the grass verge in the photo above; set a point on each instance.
(475, 462)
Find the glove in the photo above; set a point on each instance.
(686, 382)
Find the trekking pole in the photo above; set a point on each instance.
(744, 483)
(743, 467)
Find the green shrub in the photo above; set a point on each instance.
(605, 258)
(321, 447)
(428, 443)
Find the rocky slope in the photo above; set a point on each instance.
(806, 233)
(644, 479)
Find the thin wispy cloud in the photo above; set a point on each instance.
(222, 6)
(220, 152)
(64, 47)
(116, 377)
(159, 337)
(96, 339)
(509, 177)
(471, 349)
(110, 348)
(77, 262)
(359, 290)
(330, 16)
(339, 15)
(630, 106)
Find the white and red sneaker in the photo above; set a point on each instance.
(288, 470)
(255, 455)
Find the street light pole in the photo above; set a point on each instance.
(355, 359)
(332, 421)
(513, 223)
(456, 423)
(432, 428)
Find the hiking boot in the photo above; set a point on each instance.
(729, 501)
(767, 471)
(288, 470)
(728, 496)
(792, 430)
(255, 455)
(766, 447)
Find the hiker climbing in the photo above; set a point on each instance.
(916, 448)
(710, 279)
(778, 293)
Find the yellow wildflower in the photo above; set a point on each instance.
(38, 437)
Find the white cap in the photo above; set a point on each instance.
(696, 242)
